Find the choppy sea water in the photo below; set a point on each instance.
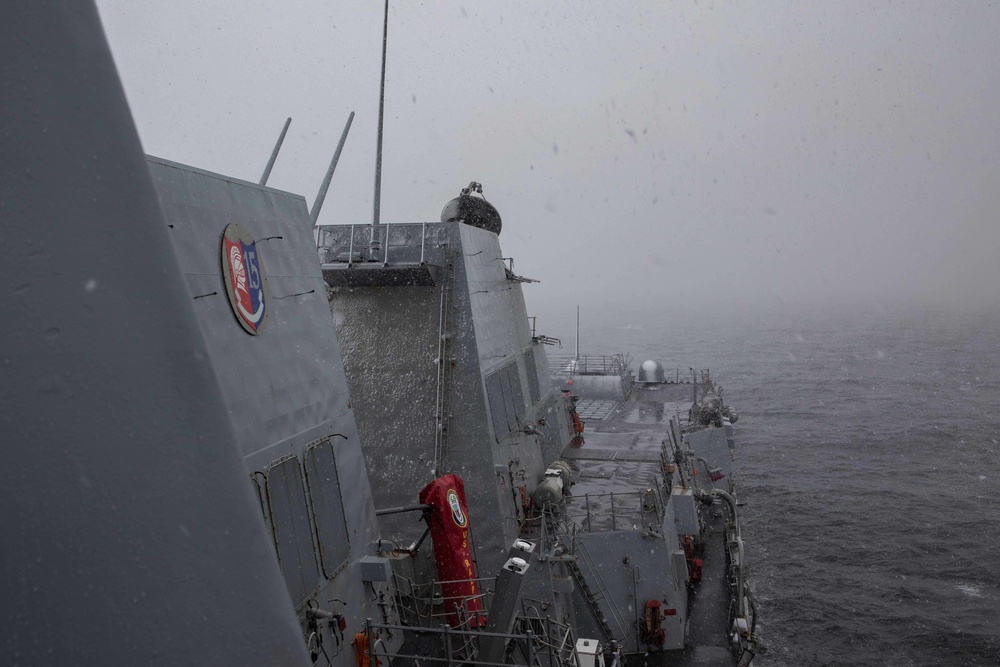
(870, 468)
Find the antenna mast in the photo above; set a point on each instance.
(274, 153)
(376, 213)
(577, 356)
(321, 195)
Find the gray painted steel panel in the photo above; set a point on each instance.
(391, 341)
(712, 444)
(497, 304)
(635, 569)
(131, 533)
(685, 512)
(285, 388)
(286, 383)
(391, 372)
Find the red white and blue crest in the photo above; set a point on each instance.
(246, 282)
(457, 515)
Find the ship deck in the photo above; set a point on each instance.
(619, 458)
(615, 467)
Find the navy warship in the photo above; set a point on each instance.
(616, 488)
(236, 431)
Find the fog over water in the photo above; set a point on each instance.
(645, 152)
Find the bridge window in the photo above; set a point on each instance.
(503, 389)
(328, 507)
(498, 412)
(534, 391)
(516, 396)
(289, 518)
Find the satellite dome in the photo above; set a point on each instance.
(475, 211)
(651, 371)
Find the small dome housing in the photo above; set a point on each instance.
(651, 371)
(471, 210)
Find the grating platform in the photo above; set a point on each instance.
(594, 409)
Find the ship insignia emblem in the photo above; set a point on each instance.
(246, 282)
(456, 509)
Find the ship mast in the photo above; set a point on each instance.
(376, 213)
(576, 356)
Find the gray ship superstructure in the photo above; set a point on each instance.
(284, 387)
(623, 489)
(444, 371)
(131, 531)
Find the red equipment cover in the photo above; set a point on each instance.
(449, 524)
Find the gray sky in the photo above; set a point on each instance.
(762, 151)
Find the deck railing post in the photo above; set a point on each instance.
(385, 251)
(350, 250)
(613, 527)
(423, 243)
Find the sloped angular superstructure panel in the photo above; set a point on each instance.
(131, 533)
(288, 381)
(284, 387)
(447, 377)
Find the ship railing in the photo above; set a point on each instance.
(424, 604)
(402, 244)
(684, 376)
(600, 364)
(607, 512)
(536, 641)
(553, 640)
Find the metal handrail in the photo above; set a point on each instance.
(429, 594)
(330, 240)
(555, 642)
(601, 364)
(590, 514)
(423, 243)
(350, 252)
(385, 248)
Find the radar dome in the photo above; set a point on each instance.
(651, 371)
(474, 211)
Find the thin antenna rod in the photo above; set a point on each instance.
(376, 213)
(274, 153)
(321, 195)
(578, 333)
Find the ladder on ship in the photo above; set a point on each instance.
(443, 404)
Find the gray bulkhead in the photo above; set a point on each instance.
(445, 375)
(286, 392)
(131, 534)
(714, 446)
